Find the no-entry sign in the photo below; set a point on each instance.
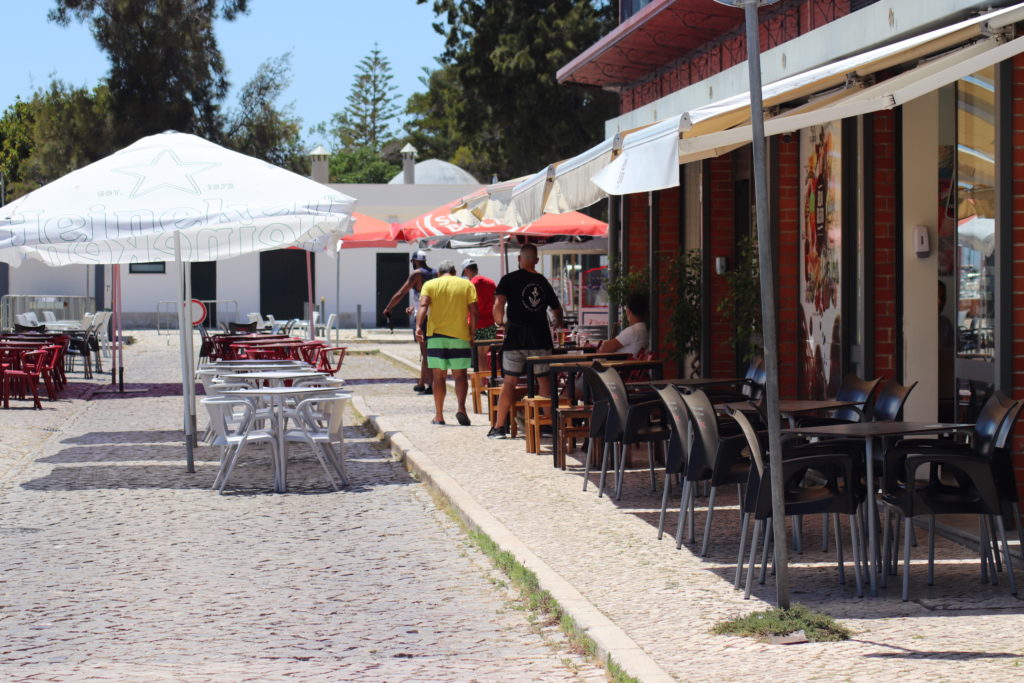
(197, 310)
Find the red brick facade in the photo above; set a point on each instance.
(786, 195)
(1017, 192)
(777, 27)
(884, 153)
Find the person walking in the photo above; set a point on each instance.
(421, 273)
(448, 312)
(486, 329)
(521, 304)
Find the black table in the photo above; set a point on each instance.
(870, 431)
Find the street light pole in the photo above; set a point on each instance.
(767, 269)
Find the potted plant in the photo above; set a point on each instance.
(742, 302)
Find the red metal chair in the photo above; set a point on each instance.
(32, 364)
(310, 352)
(323, 362)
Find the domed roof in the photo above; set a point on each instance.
(437, 172)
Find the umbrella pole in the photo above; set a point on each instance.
(190, 348)
(186, 368)
(115, 271)
(337, 295)
(767, 268)
(312, 304)
(118, 343)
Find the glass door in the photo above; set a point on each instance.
(974, 327)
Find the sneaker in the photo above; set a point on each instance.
(419, 388)
(498, 433)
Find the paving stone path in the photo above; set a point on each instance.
(117, 565)
(667, 600)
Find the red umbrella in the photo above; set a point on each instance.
(440, 223)
(368, 231)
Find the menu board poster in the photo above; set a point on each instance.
(820, 259)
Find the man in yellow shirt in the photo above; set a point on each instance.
(451, 322)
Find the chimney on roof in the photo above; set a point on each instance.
(408, 164)
(320, 171)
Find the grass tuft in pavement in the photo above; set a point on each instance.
(816, 626)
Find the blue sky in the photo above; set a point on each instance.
(326, 38)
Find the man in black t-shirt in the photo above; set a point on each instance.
(522, 299)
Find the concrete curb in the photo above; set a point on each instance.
(610, 640)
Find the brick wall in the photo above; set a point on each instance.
(787, 199)
(777, 27)
(723, 243)
(883, 188)
(1017, 191)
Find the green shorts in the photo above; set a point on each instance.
(448, 353)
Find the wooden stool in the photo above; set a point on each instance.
(573, 423)
(477, 384)
(535, 419)
(492, 404)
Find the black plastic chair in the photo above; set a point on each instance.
(972, 485)
(837, 490)
(750, 389)
(242, 328)
(888, 405)
(625, 423)
(714, 458)
(853, 388)
(677, 418)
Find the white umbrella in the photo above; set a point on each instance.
(171, 197)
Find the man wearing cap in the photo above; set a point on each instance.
(420, 274)
(486, 329)
(448, 308)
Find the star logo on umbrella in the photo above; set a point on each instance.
(166, 170)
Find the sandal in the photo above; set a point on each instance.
(437, 422)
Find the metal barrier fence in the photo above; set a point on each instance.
(63, 307)
(222, 310)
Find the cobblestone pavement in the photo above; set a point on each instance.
(117, 565)
(668, 599)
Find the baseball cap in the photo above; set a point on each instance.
(418, 255)
(468, 262)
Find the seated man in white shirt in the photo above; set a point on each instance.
(634, 339)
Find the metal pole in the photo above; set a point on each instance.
(359, 321)
(189, 350)
(337, 296)
(186, 368)
(311, 332)
(767, 268)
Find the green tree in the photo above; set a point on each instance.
(259, 128)
(166, 71)
(60, 129)
(432, 124)
(360, 165)
(367, 120)
(514, 116)
(15, 145)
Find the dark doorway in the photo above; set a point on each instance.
(283, 290)
(392, 272)
(204, 288)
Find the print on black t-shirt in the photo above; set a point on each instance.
(529, 295)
